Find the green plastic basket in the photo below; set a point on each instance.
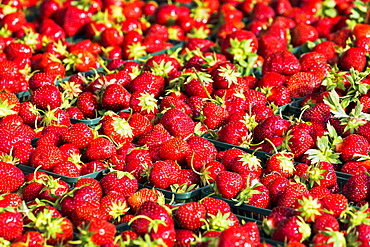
(244, 210)
(71, 180)
(191, 196)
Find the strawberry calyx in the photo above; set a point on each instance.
(84, 236)
(162, 69)
(229, 74)
(117, 210)
(246, 194)
(218, 222)
(148, 102)
(70, 89)
(136, 50)
(5, 32)
(183, 188)
(355, 217)
(337, 238)
(303, 228)
(122, 127)
(72, 60)
(6, 108)
(201, 32)
(324, 152)
(146, 240)
(354, 119)
(49, 117)
(4, 243)
(251, 161)
(309, 208)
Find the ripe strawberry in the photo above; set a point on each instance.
(270, 127)
(175, 149)
(190, 215)
(169, 102)
(164, 173)
(139, 124)
(12, 224)
(357, 187)
(100, 149)
(282, 62)
(303, 33)
(47, 96)
(88, 104)
(292, 229)
(282, 163)
(79, 134)
(140, 84)
(355, 58)
(228, 184)
(213, 115)
(246, 234)
(115, 98)
(138, 198)
(121, 182)
(302, 84)
(13, 178)
(144, 103)
(46, 157)
(73, 20)
(351, 145)
(336, 204)
(117, 129)
(292, 193)
(102, 232)
(224, 75)
(182, 127)
(298, 142)
(14, 21)
(33, 238)
(114, 205)
(155, 137)
(240, 40)
(235, 133)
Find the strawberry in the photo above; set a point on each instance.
(144, 103)
(282, 163)
(357, 187)
(68, 169)
(121, 182)
(336, 204)
(173, 102)
(190, 215)
(13, 179)
(138, 198)
(292, 193)
(140, 84)
(155, 137)
(47, 96)
(13, 21)
(235, 133)
(79, 134)
(270, 127)
(303, 33)
(46, 156)
(139, 124)
(240, 40)
(100, 149)
(213, 115)
(12, 224)
(351, 145)
(117, 129)
(292, 229)
(164, 173)
(184, 125)
(355, 58)
(114, 205)
(282, 62)
(224, 75)
(73, 20)
(228, 184)
(33, 238)
(302, 84)
(88, 104)
(9, 104)
(175, 149)
(246, 234)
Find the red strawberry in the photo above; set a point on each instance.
(335, 203)
(175, 149)
(47, 96)
(292, 193)
(12, 224)
(121, 182)
(12, 178)
(73, 20)
(228, 184)
(292, 229)
(246, 234)
(177, 123)
(190, 215)
(46, 156)
(302, 84)
(213, 115)
(79, 134)
(355, 58)
(138, 198)
(235, 133)
(351, 145)
(100, 149)
(283, 62)
(140, 84)
(164, 173)
(302, 33)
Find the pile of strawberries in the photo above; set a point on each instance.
(256, 112)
